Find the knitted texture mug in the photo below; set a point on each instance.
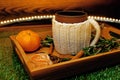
(72, 31)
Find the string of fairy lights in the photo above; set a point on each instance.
(22, 19)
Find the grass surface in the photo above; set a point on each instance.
(10, 65)
(12, 69)
(111, 73)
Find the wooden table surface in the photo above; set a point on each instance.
(19, 8)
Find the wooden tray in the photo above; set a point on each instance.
(68, 68)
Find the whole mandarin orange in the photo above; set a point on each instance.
(29, 40)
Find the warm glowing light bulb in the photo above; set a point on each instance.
(99, 18)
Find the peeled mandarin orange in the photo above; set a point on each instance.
(29, 40)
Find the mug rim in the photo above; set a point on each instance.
(70, 16)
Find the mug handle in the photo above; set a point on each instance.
(98, 31)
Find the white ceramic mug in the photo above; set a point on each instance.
(72, 31)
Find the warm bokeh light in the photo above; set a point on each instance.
(99, 18)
